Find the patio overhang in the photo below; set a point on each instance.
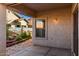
(33, 8)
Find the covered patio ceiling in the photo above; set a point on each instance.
(41, 6)
(32, 8)
(46, 6)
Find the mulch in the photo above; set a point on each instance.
(13, 42)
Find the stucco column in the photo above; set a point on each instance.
(2, 30)
(78, 29)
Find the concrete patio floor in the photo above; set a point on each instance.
(27, 49)
(18, 47)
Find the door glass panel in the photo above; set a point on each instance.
(40, 28)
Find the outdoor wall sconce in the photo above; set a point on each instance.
(55, 21)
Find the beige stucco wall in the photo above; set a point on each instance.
(60, 34)
(2, 30)
(78, 28)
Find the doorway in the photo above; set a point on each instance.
(75, 33)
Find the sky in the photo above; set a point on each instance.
(25, 16)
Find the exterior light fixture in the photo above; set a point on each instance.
(55, 20)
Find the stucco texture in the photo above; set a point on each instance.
(60, 32)
(2, 30)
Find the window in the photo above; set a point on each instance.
(17, 25)
(40, 28)
(24, 26)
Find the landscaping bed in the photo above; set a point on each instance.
(12, 40)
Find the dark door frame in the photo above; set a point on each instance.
(75, 31)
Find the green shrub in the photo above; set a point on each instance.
(29, 35)
(18, 38)
(23, 35)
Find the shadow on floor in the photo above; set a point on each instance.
(43, 51)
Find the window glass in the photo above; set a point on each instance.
(40, 28)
